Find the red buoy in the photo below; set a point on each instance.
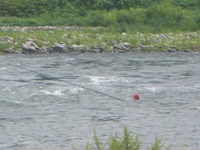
(136, 96)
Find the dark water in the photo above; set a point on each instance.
(40, 113)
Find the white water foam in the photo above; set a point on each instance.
(11, 101)
(55, 93)
(169, 88)
(75, 90)
(3, 68)
(197, 86)
(152, 89)
(61, 91)
(69, 59)
(187, 88)
(102, 79)
(7, 89)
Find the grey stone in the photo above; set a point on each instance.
(49, 50)
(9, 51)
(98, 50)
(126, 44)
(171, 50)
(77, 47)
(28, 49)
(60, 48)
(116, 47)
(187, 50)
(121, 51)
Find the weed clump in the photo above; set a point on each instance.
(125, 142)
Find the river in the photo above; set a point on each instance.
(53, 102)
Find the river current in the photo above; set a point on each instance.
(40, 111)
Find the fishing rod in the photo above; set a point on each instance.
(47, 77)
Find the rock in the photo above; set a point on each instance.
(162, 36)
(30, 39)
(142, 47)
(187, 50)
(49, 50)
(154, 40)
(124, 34)
(171, 38)
(71, 28)
(173, 47)
(101, 49)
(33, 44)
(77, 47)
(149, 47)
(9, 51)
(166, 45)
(28, 49)
(98, 50)
(7, 38)
(60, 48)
(124, 47)
(121, 46)
(126, 44)
(116, 47)
(121, 51)
(45, 42)
(171, 50)
(196, 50)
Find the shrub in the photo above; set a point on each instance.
(126, 142)
(165, 15)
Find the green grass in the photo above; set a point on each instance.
(90, 38)
(3, 46)
(15, 21)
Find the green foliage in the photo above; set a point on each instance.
(13, 21)
(187, 4)
(27, 8)
(125, 15)
(165, 15)
(126, 142)
(158, 145)
(3, 46)
(97, 18)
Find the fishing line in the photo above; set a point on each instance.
(47, 77)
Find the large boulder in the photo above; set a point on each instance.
(29, 47)
(59, 47)
(9, 51)
(77, 47)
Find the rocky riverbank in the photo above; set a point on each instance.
(49, 39)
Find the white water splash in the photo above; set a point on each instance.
(69, 59)
(55, 93)
(152, 89)
(102, 79)
(3, 68)
(75, 90)
(11, 101)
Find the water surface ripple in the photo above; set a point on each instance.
(39, 112)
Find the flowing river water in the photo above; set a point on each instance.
(40, 111)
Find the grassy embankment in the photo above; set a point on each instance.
(156, 26)
(105, 38)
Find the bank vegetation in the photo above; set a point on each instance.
(121, 15)
(99, 26)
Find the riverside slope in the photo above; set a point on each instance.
(48, 39)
